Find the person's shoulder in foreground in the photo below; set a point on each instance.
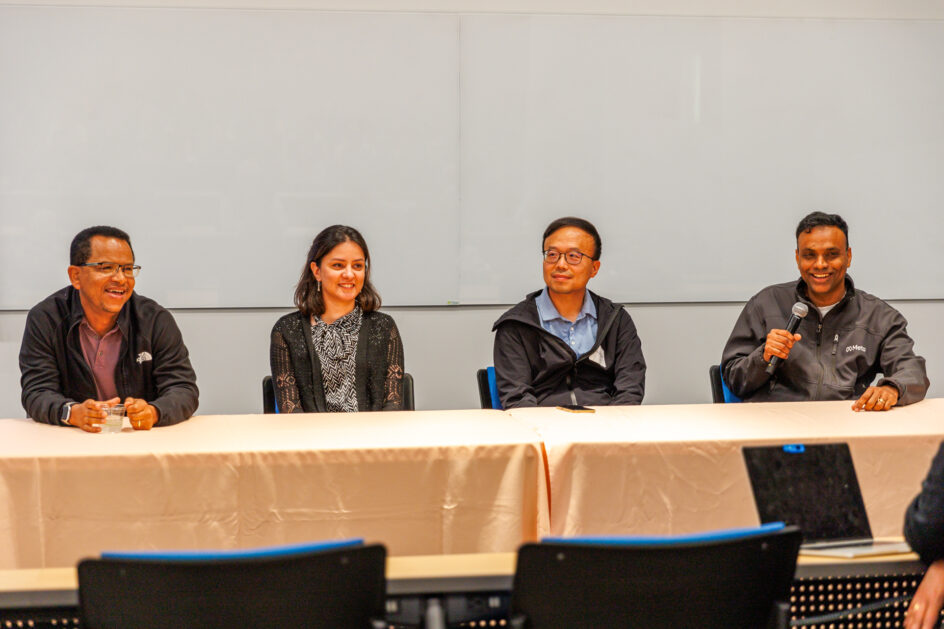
(96, 343)
(336, 352)
(924, 532)
(564, 344)
(841, 340)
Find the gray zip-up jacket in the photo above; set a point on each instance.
(837, 357)
(535, 368)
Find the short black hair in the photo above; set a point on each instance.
(822, 219)
(81, 247)
(579, 223)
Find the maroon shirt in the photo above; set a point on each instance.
(101, 354)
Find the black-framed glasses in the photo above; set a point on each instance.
(110, 268)
(551, 256)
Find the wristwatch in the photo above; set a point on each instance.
(66, 411)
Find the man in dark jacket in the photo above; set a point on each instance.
(96, 343)
(847, 338)
(565, 345)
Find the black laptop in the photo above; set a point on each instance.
(815, 487)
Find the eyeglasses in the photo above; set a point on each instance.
(110, 268)
(551, 256)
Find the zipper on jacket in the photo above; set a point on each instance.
(123, 370)
(819, 358)
(835, 351)
(78, 357)
(573, 394)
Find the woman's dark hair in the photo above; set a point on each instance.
(307, 296)
(821, 219)
(579, 223)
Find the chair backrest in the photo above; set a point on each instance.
(720, 393)
(307, 586)
(722, 581)
(409, 402)
(488, 388)
(269, 405)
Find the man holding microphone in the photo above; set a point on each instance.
(835, 351)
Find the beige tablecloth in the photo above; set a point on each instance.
(420, 482)
(427, 482)
(678, 468)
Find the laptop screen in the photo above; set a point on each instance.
(813, 487)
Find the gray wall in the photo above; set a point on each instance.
(444, 346)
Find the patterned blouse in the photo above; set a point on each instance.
(336, 346)
(368, 352)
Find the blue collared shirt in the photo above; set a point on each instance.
(580, 335)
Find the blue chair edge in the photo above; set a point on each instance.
(729, 397)
(670, 540)
(252, 553)
(493, 388)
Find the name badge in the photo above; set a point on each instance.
(598, 357)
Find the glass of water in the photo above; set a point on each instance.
(114, 418)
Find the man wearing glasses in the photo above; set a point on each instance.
(97, 343)
(563, 345)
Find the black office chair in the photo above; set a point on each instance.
(409, 402)
(720, 393)
(488, 389)
(268, 396)
(740, 582)
(717, 385)
(269, 405)
(336, 588)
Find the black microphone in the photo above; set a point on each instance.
(800, 310)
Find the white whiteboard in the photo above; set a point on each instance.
(696, 145)
(223, 140)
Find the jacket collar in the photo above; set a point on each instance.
(77, 313)
(527, 311)
(547, 311)
(802, 294)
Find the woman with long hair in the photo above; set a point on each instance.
(337, 353)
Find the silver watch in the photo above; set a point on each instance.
(66, 411)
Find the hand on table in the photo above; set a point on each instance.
(90, 414)
(141, 414)
(877, 399)
(925, 608)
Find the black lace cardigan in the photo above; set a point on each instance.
(296, 370)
